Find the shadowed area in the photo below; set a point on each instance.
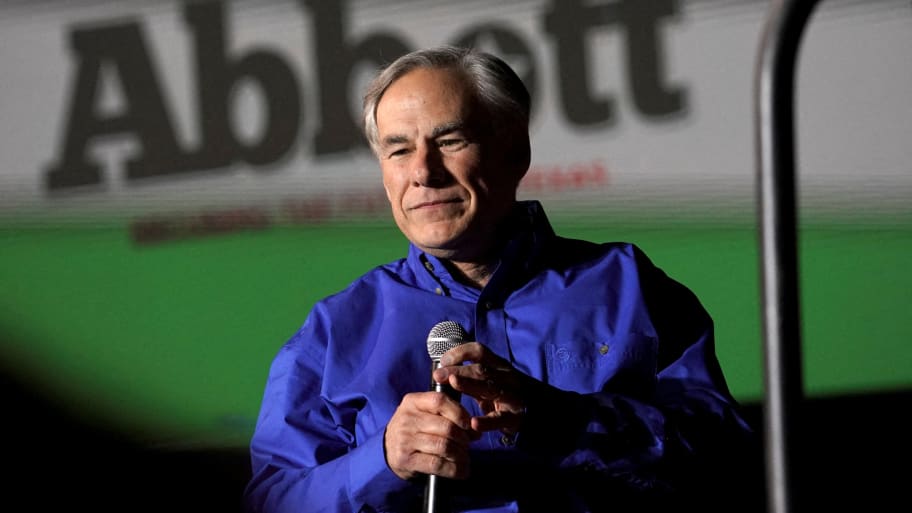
(849, 447)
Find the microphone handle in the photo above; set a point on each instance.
(442, 387)
(434, 498)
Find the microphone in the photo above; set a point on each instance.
(443, 336)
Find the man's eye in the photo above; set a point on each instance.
(398, 152)
(452, 143)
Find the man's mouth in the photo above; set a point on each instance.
(434, 203)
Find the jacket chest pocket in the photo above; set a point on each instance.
(624, 362)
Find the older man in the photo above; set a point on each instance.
(589, 380)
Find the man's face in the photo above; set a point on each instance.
(447, 184)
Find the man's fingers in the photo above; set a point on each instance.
(451, 468)
(434, 447)
(507, 422)
(428, 433)
(437, 403)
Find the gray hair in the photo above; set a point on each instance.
(497, 87)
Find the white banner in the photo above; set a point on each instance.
(142, 109)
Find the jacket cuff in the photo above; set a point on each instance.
(373, 482)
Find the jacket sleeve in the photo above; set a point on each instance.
(303, 450)
(686, 439)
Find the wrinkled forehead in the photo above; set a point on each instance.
(445, 82)
(441, 95)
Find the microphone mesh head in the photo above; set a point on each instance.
(444, 336)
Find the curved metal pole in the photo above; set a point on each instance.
(778, 243)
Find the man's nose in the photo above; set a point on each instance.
(428, 169)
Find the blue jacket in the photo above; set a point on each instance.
(633, 405)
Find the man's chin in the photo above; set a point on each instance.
(439, 249)
(436, 239)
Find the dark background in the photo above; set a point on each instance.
(852, 454)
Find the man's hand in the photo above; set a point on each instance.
(491, 380)
(429, 434)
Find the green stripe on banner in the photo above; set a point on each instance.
(171, 342)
